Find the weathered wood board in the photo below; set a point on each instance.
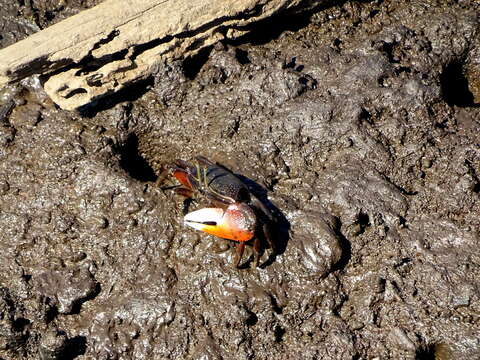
(103, 49)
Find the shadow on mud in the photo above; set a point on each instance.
(130, 93)
(271, 28)
(345, 245)
(74, 347)
(132, 161)
(455, 87)
(427, 353)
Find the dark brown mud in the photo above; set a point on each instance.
(360, 123)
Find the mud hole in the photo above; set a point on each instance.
(360, 123)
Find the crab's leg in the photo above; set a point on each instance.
(267, 231)
(259, 205)
(188, 193)
(164, 174)
(202, 160)
(183, 177)
(256, 251)
(186, 189)
(186, 205)
(182, 164)
(238, 254)
(182, 171)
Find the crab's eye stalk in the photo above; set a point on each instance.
(237, 222)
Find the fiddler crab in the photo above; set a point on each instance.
(237, 214)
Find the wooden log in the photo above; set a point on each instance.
(101, 50)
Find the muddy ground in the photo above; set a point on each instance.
(359, 126)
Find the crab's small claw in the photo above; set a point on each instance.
(237, 222)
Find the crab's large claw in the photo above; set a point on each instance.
(237, 222)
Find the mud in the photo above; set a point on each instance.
(358, 125)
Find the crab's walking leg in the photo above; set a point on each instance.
(179, 171)
(257, 246)
(184, 192)
(182, 176)
(202, 160)
(267, 231)
(261, 206)
(164, 174)
(238, 254)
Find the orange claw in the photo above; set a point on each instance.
(237, 222)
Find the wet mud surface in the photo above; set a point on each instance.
(358, 125)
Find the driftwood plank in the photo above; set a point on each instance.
(101, 50)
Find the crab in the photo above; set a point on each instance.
(236, 215)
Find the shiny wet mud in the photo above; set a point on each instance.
(351, 122)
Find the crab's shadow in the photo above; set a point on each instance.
(280, 228)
